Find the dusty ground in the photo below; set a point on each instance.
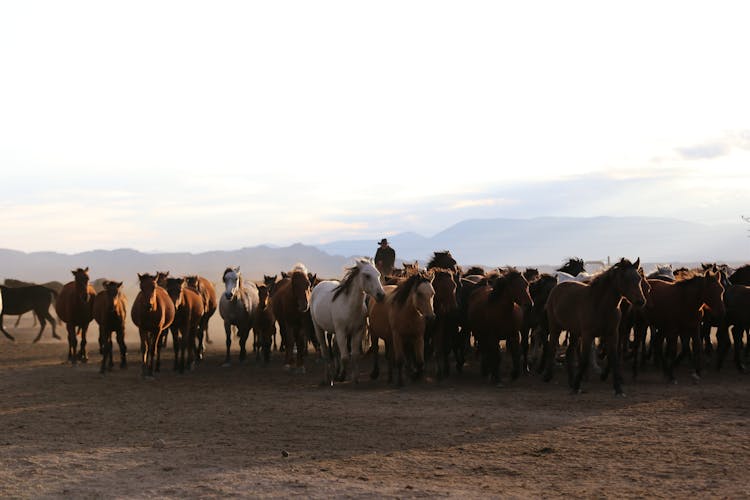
(220, 432)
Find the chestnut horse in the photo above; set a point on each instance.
(264, 326)
(675, 309)
(75, 306)
(20, 300)
(110, 312)
(290, 303)
(206, 290)
(495, 314)
(152, 312)
(410, 306)
(380, 329)
(588, 311)
(443, 331)
(237, 306)
(187, 322)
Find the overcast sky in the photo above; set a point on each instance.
(216, 125)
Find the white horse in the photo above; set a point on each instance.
(664, 272)
(338, 307)
(580, 277)
(238, 306)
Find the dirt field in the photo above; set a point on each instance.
(220, 432)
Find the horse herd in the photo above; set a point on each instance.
(437, 313)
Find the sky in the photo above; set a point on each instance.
(191, 126)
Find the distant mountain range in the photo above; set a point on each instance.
(549, 240)
(489, 242)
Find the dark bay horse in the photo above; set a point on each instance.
(534, 327)
(238, 306)
(110, 312)
(443, 260)
(443, 330)
(37, 298)
(188, 314)
(153, 313)
(75, 306)
(290, 303)
(676, 310)
(55, 286)
(588, 311)
(264, 326)
(737, 301)
(207, 291)
(495, 314)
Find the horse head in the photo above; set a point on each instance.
(713, 292)
(231, 279)
(112, 288)
(445, 286)
(370, 279)
(422, 295)
(81, 279)
(629, 277)
(161, 278)
(174, 289)
(263, 294)
(147, 283)
(270, 282)
(301, 289)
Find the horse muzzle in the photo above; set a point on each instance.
(379, 297)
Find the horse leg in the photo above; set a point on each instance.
(341, 340)
(18, 320)
(82, 350)
(72, 343)
(103, 348)
(550, 350)
(42, 324)
(670, 357)
(584, 360)
(375, 351)
(398, 358)
(525, 348)
(419, 357)
(515, 352)
(228, 331)
(2, 328)
(571, 357)
(120, 336)
(639, 336)
(357, 335)
(244, 334)
(697, 354)
(301, 337)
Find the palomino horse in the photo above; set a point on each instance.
(264, 326)
(591, 310)
(152, 312)
(290, 304)
(110, 312)
(187, 322)
(37, 298)
(675, 310)
(495, 314)
(75, 306)
(207, 292)
(237, 306)
(410, 306)
(338, 308)
(443, 332)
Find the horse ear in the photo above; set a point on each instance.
(86, 270)
(237, 269)
(637, 263)
(139, 276)
(118, 283)
(73, 273)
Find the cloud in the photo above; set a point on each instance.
(717, 148)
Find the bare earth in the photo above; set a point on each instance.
(220, 432)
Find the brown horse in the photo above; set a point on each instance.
(186, 324)
(380, 329)
(290, 303)
(737, 300)
(37, 298)
(75, 306)
(588, 311)
(676, 310)
(410, 306)
(110, 311)
(534, 326)
(270, 282)
(207, 291)
(495, 314)
(152, 312)
(443, 331)
(264, 326)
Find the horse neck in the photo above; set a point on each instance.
(605, 294)
(692, 293)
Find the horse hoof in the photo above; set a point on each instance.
(226, 364)
(619, 394)
(696, 378)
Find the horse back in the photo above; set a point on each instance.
(23, 299)
(191, 308)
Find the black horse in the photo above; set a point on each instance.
(23, 299)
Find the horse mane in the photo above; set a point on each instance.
(572, 261)
(438, 257)
(474, 270)
(504, 277)
(346, 282)
(690, 280)
(227, 270)
(403, 289)
(603, 278)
